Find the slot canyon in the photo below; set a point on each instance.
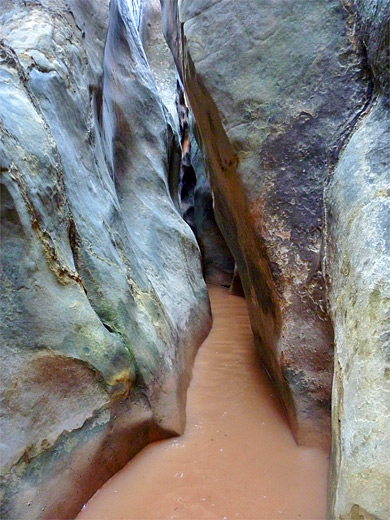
(195, 199)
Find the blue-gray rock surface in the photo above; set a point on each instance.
(358, 264)
(103, 301)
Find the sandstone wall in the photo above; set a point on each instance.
(276, 88)
(103, 302)
(358, 263)
(291, 98)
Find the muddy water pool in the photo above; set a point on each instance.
(237, 458)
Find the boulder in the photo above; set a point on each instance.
(103, 301)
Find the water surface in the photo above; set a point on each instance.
(237, 458)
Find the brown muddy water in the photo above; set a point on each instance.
(237, 458)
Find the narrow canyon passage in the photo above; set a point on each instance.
(237, 458)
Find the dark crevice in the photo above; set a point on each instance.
(112, 331)
(196, 202)
(73, 243)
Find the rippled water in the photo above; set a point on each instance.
(237, 458)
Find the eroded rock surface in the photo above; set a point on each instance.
(159, 55)
(358, 262)
(103, 302)
(275, 88)
(190, 191)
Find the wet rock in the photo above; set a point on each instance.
(103, 302)
(190, 191)
(163, 67)
(276, 90)
(358, 263)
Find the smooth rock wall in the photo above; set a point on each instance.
(103, 301)
(194, 204)
(358, 263)
(276, 89)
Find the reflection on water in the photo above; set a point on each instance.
(237, 458)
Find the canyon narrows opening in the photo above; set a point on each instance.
(237, 457)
